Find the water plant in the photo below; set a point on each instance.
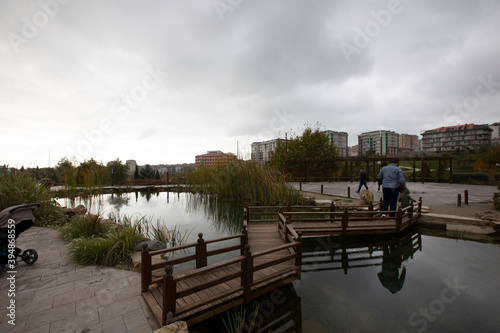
(236, 320)
(160, 232)
(245, 180)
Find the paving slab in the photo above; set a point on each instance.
(56, 295)
(433, 194)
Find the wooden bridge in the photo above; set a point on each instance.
(265, 256)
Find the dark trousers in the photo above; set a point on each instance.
(361, 183)
(390, 199)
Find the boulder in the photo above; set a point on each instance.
(153, 245)
(177, 327)
(78, 210)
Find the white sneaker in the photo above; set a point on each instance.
(383, 215)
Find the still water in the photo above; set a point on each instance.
(414, 282)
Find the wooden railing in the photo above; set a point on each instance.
(240, 267)
(348, 216)
(200, 256)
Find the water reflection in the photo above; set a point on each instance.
(225, 214)
(344, 253)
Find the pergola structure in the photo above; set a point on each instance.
(372, 166)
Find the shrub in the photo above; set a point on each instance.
(471, 178)
(86, 226)
(95, 251)
(22, 188)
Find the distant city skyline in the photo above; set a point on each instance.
(162, 82)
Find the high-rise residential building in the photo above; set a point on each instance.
(339, 140)
(353, 150)
(451, 138)
(495, 134)
(408, 142)
(262, 151)
(132, 164)
(384, 143)
(213, 158)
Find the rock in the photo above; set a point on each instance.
(78, 210)
(366, 197)
(177, 327)
(153, 245)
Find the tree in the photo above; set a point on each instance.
(136, 173)
(147, 172)
(65, 172)
(119, 170)
(90, 173)
(307, 153)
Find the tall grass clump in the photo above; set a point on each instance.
(160, 232)
(84, 226)
(95, 243)
(245, 180)
(22, 188)
(236, 321)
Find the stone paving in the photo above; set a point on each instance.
(432, 194)
(56, 295)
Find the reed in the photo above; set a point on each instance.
(236, 320)
(22, 188)
(245, 180)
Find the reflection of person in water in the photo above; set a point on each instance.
(390, 277)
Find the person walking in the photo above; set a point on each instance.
(392, 178)
(362, 179)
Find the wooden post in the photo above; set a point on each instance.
(419, 210)
(439, 170)
(345, 219)
(410, 213)
(246, 214)
(368, 170)
(459, 200)
(422, 163)
(298, 259)
(451, 170)
(399, 219)
(145, 268)
(466, 197)
(169, 294)
(348, 191)
(201, 252)
(321, 188)
(380, 204)
(414, 170)
(300, 186)
(350, 171)
(244, 239)
(332, 209)
(307, 171)
(247, 274)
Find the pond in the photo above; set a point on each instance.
(414, 282)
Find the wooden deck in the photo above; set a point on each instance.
(265, 256)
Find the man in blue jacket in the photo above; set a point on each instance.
(391, 176)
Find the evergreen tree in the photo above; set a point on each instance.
(136, 173)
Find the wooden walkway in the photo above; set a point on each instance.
(265, 256)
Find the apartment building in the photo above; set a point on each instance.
(495, 134)
(262, 151)
(339, 140)
(409, 142)
(213, 158)
(451, 138)
(384, 143)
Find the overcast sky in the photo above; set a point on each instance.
(163, 81)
